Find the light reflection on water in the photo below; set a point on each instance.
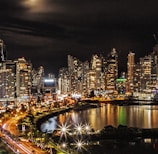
(49, 126)
(143, 116)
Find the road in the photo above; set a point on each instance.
(22, 146)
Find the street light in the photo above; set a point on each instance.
(64, 145)
(78, 128)
(79, 144)
(87, 128)
(64, 129)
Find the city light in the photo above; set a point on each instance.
(64, 129)
(64, 145)
(48, 80)
(87, 127)
(78, 128)
(79, 144)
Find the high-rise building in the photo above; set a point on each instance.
(96, 66)
(63, 81)
(85, 70)
(146, 73)
(37, 80)
(23, 78)
(136, 79)
(111, 71)
(50, 84)
(15, 79)
(91, 80)
(130, 73)
(155, 53)
(7, 84)
(75, 74)
(11, 66)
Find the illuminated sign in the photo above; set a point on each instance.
(48, 80)
(121, 80)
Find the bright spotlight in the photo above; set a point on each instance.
(78, 128)
(64, 129)
(64, 145)
(87, 127)
(79, 144)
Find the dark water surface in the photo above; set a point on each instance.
(140, 116)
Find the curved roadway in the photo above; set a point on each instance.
(22, 146)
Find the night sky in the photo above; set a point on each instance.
(46, 31)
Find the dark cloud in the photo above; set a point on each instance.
(45, 31)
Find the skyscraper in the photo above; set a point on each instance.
(111, 70)
(96, 66)
(23, 78)
(130, 69)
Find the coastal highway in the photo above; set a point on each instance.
(21, 146)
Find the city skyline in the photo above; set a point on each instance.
(53, 29)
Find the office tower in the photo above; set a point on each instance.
(7, 91)
(137, 79)
(11, 66)
(7, 80)
(155, 51)
(111, 71)
(91, 80)
(130, 73)
(23, 78)
(37, 81)
(63, 81)
(75, 74)
(15, 79)
(50, 84)
(85, 70)
(146, 71)
(96, 66)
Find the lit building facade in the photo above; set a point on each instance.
(146, 69)
(37, 81)
(23, 78)
(84, 78)
(63, 82)
(7, 84)
(121, 85)
(137, 79)
(75, 74)
(111, 71)
(15, 79)
(91, 80)
(130, 72)
(95, 73)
